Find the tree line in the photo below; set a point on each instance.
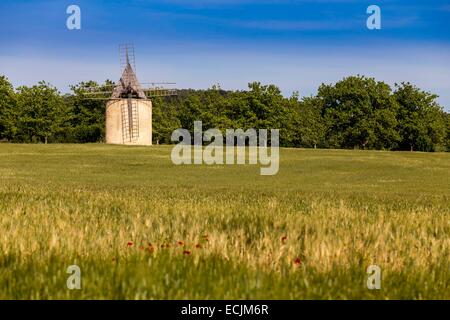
(356, 112)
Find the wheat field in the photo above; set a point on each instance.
(140, 227)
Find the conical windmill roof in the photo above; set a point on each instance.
(128, 80)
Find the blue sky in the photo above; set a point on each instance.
(294, 44)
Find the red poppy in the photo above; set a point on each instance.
(130, 243)
(298, 261)
(180, 243)
(283, 239)
(186, 252)
(198, 245)
(150, 249)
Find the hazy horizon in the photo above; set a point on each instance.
(296, 45)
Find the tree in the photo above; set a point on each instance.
(7, 109)
(421, 119)
(359, 112)
(164, 120)
(268, 109)
(268, 105)
(41, 114)
(447, 140)
(309, 128)
(88, 120)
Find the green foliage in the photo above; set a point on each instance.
(88, 115)
(356, 112)
(164, 120)
(309, 128)
(447, 121)
(359, 112)
(7, 109)
(422, 121)
(41, 114)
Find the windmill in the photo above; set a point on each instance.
(129, 106)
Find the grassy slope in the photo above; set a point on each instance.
(340, 211)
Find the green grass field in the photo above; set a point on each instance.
(140, 227)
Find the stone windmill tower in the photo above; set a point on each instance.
(129, 107)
